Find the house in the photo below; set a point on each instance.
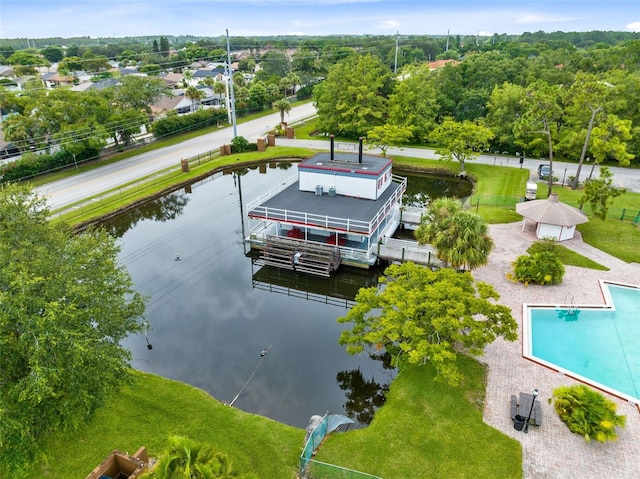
(334, 211)
(172, 79)
(436, 65)
(217, 74)
(55, 79)
(164, 104)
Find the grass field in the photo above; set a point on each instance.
(428, 429)
(151, 409)
(425, 426)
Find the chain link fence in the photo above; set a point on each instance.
(476, 201)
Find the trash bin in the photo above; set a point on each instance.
(518, 422)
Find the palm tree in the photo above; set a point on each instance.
(465, 243)
(284, 107)
(187, 459)
(461, 238)
(195, 95)
(187, 76)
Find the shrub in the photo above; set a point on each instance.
(539, 268)
(174, 124)
(587, 412)
(304, 92)
(239, 144)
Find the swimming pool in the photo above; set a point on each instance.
(596, 344)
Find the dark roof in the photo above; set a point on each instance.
(371, 164)
(338, 206)
(208, 73)
(104, 83)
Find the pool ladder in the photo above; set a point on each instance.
(569, 302)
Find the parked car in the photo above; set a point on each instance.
(544, 171)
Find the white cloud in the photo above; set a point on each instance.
(634, 26)
(389, 24)
(537, 18)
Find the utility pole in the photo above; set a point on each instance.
(395, 67)
(447, 47)
(233, 99)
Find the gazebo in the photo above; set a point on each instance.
(553, 219)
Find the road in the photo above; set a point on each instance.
(91, 183)
(628, 178)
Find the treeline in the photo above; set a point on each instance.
(537, 100)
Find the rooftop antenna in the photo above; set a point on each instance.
(233, 100)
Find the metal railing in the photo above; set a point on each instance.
(330, 222)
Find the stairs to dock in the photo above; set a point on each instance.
(300, 255)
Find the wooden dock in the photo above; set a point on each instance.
(399, 250)
(411, 216)
(300, 255)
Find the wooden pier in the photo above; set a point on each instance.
(300, 255)
(411, 216)
(399, 250)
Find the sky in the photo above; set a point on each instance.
(131, 18)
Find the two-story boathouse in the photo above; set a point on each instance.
(336, 210)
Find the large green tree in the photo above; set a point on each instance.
(537, 127)
(586, 107)
(461, 141)
(503, 108)
(413, 102)
(353, 98)
(421, 315)
(65, 306)
(139, 93)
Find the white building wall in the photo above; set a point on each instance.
(558, 233)
(567, 232)
(346, 185)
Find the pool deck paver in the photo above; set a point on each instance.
(552, 451)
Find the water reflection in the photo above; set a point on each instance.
(364, 396)
(212, 313)
(422, 186)
(165, 208)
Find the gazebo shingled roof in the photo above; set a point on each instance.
(551, 212)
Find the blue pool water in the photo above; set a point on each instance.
(598, 345)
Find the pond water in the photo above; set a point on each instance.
(264, 340)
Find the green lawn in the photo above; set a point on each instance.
(618, 238)
(153, 408)
(566, 256)
(425, 426)
(428, 429)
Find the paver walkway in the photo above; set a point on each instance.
(552, 451)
